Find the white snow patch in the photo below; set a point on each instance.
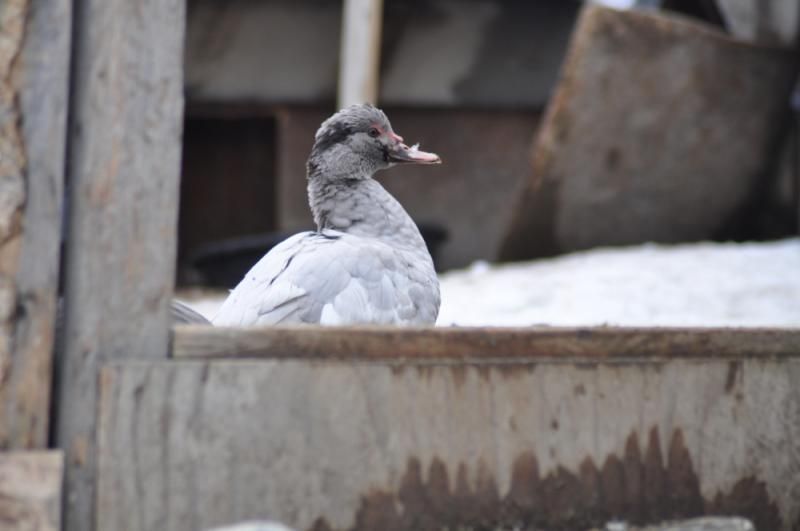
(254, 526)
(703, 284)
(618, 4)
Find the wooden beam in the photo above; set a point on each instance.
(124, 163)
(481, 344)
(30, 490)
(34, 73)
(359, 59)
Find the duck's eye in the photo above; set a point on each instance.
(374, 133)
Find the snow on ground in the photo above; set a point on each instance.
(704, 284)
(619, 4)
(707, 284)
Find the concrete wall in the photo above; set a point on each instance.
(442, 52)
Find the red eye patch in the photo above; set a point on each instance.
(392, 134)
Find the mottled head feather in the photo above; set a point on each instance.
(358, 117)
(346, 148)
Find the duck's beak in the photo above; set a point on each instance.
(399, 152)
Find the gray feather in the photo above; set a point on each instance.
(366, 263)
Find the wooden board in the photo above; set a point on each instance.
(34, 65)
(30, 490)
(405, 445)
(124, 161)
(481, 344)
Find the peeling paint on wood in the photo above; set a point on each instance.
(336, 445)
(34, 61)
(13, 16)
(13, 19)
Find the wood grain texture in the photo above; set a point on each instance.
(13, 18)
(30, 490)
(124, 159)
(481, 344)
(335, 445)
(34, 59)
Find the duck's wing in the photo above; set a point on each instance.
(251, 298)
(329, 278)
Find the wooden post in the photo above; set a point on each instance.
(359, 59)
(34, 59)
(124, 158)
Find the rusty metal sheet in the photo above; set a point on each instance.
(406, 445)
(659, 130)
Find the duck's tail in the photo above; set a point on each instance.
(182, 314)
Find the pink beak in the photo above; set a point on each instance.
(405, 154)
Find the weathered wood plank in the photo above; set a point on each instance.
(482, 344)
(13, 18)
(30, 490)
(124, 159)
(322, 445)
(34, 59)
(12, 191)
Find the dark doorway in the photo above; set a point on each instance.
(227, 184)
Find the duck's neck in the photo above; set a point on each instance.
(362, 207)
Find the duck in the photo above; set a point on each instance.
(366, 262)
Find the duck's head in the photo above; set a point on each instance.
(357, 141)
